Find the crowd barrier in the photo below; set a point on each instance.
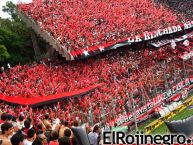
(144, 111)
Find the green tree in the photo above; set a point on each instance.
(18, 38)
(4, 55)
(11, 9)
(15, 36)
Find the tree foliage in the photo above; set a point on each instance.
(15, 36)
(10, 8)
(4, 55)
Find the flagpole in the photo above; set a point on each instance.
(165, 80)
(132, 104)
(113, 104)
(154, 83)
(134, 112)
(184, 69)
(143, 95)
(90, 112)
(175, 79)
(127, 94)
(103, 111)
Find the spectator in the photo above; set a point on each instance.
(20, 122)
(37, 141)
(9, 118)
(67, 133)
(64, 141)
(43, 138)
(2, 69)
(27, 126)
(31, 136)
(17, 139)
(63, 127)
(47, 123)
(8, 65)
(55, 137)
(3, 118)
(94, 136)
(7, 130)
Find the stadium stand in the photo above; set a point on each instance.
(92, 23)
(127, 77)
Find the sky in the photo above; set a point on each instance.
(3, 2)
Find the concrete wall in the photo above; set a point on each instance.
(44, 34)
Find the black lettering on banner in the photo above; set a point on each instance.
(130, 139)
(106, 136)
(175, 111)
(148, 128)
(161, 119)
(120, 137)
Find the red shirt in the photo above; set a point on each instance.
(53, 143)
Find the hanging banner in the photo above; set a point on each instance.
(161, 32)
(145, 36)
(167, 41)
(150, 106)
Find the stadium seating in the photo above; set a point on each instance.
(133, 70)
(90, 23)
(119, 79)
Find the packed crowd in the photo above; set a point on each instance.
(145, 73)
(55, 77)
(81, 24)
(142, 73)
(23, 127)
(182, 8)
(51, 124)
(49, 78)
(45, 79)
(130, 76)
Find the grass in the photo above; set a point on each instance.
(182, 115)
(142, 127)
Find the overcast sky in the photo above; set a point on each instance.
(3, 2)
